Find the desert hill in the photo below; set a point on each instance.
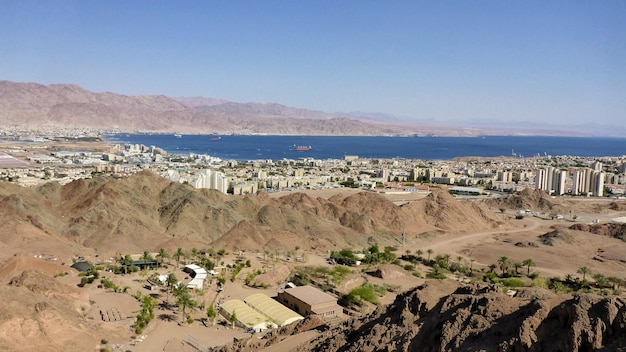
(146, 211)
(32, 104)
(40, 313)
(440, 317)
(535, 199)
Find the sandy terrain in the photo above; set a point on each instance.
(516, 239)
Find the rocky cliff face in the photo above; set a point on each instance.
(438, 317)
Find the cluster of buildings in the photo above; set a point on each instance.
(587, 181)
(258, 312)
(579, 176)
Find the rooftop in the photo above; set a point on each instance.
(311, 295)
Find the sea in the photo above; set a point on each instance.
(255, 147)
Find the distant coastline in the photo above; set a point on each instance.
(277, 147)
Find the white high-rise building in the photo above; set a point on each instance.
(578, 184)
(598, 184)
(212, 179)
(551, 180)
(588, 182)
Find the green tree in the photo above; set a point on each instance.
(446, 260)
(179, 253)
(517, 265)
(555, 285)
(616, 281)
(145, 258)
(504, 263)
(184, 300)
(233, 317)
(211, 313)
(419, 253)
(126, 262)
(528, 263)
(162, 255)
(584, 271)
(601, 280)
(170, 282)
(430, 252)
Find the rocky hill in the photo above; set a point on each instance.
(146, 211)
(32, 104)
(534, 199)
(438, 316)
(443, 316)
(40, 313)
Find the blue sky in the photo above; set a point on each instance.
(540, 61)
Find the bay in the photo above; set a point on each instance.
(253, 147)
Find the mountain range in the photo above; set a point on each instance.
(68, 105)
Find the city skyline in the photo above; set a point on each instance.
(557, 63)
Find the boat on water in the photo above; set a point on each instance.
(215, 138)
(302, 147)
(178, 135)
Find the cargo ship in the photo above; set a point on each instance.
(302, 147)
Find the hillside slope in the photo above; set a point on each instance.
(146, 211)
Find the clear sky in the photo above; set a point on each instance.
(541, 61)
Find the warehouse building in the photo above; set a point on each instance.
(277, 312)
(308, 300)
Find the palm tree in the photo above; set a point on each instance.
(584, 271)
(184, 299)
(430, 252)
(179, 253)
(419, 253)
(163, 254)
(126, 262)
(459, 258)
(517, 265)
(556, 285)
(616, 281)
(146, 257)
(601, 280)
(492, 267)
(528, 263)
(170, 281)
(504, 264)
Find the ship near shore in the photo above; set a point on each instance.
(302, 147)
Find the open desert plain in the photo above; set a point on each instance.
(519, 272)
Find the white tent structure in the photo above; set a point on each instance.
(199, 275)
(246, 316)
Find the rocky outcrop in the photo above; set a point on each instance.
(482, 318)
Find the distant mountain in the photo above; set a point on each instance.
(70, 105)
(32, 104)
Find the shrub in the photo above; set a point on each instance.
(491, 277)
(436, 275)
(513, 282)
(367, 292)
